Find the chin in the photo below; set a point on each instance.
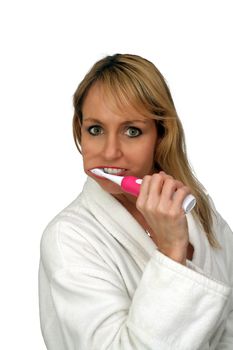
(109, 186)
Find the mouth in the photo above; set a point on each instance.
(109, 170)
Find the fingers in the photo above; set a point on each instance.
(163, 192)
(150, 191)
(179, 197)
(144, 190)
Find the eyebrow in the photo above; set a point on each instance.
(125, 122)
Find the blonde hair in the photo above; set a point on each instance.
(133, 80)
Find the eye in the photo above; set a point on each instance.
(93, 127)
(135, 132)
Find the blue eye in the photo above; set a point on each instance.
(93, 127)
(135, 130)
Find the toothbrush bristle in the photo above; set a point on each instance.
(97, 171)
(101, 173)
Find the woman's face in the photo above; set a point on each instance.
(117, 139)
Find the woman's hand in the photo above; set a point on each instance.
(160, 202)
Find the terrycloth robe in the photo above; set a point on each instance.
(104, 285)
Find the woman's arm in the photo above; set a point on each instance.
(226, 340)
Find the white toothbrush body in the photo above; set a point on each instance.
(131, 184)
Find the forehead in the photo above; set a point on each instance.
(100, 103)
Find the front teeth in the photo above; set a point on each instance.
(113, 171)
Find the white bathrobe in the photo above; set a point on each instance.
(103, 284)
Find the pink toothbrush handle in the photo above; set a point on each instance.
(131, 184)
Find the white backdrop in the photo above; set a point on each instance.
(46, 48)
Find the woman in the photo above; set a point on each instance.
(120, 272)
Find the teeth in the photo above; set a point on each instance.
(113, 171)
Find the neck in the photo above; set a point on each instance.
(128, 201)
(130, 205)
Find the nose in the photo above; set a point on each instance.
(112, 148)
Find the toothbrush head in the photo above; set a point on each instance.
(113, 178)
(97, 171)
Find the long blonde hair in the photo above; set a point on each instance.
(135, 81)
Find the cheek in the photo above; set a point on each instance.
(147, 149)
(87, 145)
(147, 153)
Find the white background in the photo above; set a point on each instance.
(46, 48)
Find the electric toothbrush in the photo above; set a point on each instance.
(131, 184)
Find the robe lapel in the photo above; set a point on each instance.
(118, 221)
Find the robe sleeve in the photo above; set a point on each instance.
(225, 235)
(173, 308)
(226, 340)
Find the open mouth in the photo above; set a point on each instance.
(111, 171)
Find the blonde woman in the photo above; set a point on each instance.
(119, 272)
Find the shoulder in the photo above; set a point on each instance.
(66, 239)
(224, 235)
(221, 228)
